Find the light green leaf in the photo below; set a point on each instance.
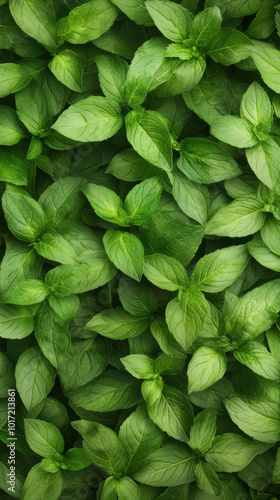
(129, 166)
(241, 217)
(37, 19)
(229, 47)
(142, 200)
(16, 322)
(168, 408)
(150, 137)
(13, 77)
(104, 446)
(24, 216)
(218, 270)
(263, 159)
(165, 339)
(232, 452)
(135, 10)
(255, 312)
(173, 20)
(138, 433)
(207, 479)
(87, 22)
(256, 107)
(33, 110)
(67, 67)
(205, 26)
(65, 307)
(85, 361)
(139, 365)
(258, 359)
(49, 484)
(205, 368)
(191, 197)
(165, 272)
(189, 317)
(267, 61)
(112, 390)
(118, 324)
(95, 118)
(258, 419)
(26, 292)
(11, 130)
(13, 168)
(234, 131)
(53, 246)
(262, 254)
(126, 252)
(43, 438)
(270, 233)
(112, 72)
(34, 377)
(171, 465)
(106, 203)
(66, 279)
(203, 430)
(137, 298)
(205, 161)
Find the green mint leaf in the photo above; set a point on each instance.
(129, 166)
(205, 368)
(32, 109)
(67, 67)
(232, 452)
(256, 107)
(16, 322)
(13, 77)
(13, 168)
(207, 479)
(203, 430)
(191, 197)
(77, 459)
(189, 316)
(240, 218)
(173, 20)
(25, 218)
(84, 361)
(37, 20)
(263, 160)
(126, 252)
(259, 420)
(118, 324)
(140, 366)
(43, 438)
(35, 148)
(26, 292)
(62, 202)
(168, 408)
(205, 161)
(66, 279)
(103, 445)
(172, 465)
(135, 10)
(166, 340)
(53, 246)
(234, 131)
(11, 130)
(255, 312)
(106, 203)
(112, 71)
(95, 118)
(49, 484)
(267, 60)
(87, 22)
(138, 433)
(34, 377)
(258, 359)
(205, 26)
(137, 298)
(142, 200)
(270, 233)
(65, 307)
(262, 254)
(150, 137)
(165, 272)
(218, 270)
(168, 365)
(229, 46)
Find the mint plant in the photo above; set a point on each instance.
(140, 249)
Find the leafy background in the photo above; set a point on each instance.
(140, 247)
